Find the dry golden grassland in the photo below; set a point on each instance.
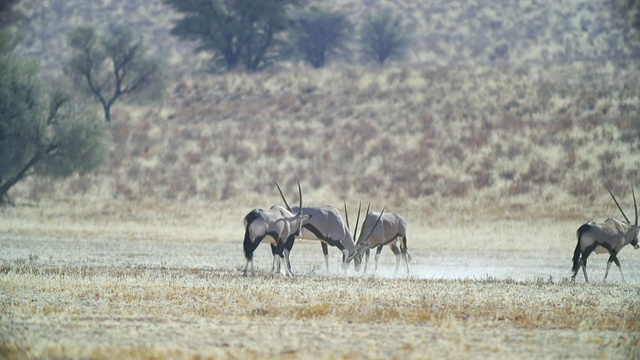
(164, 281)
(494, 163)
(494, 169)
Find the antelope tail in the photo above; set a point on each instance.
(248, 245)
(578, 251)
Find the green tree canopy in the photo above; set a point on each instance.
(321, 34)
(8, 14)
(384, 36)
(42, 133)
(114, 66)
(235, 31)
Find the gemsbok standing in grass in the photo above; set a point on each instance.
(382, 229)
(279, 225)
(608, 237)
(326, 224)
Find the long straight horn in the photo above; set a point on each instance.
(300, 194)
(346, 214)
(373, 228)
(366, 214)
(282, 195)
(622, 211)
(355, 236)
(635, 206)
(357, 221)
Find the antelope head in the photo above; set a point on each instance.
(298, 214)
(355, 255)
(364, 243)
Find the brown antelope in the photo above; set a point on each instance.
(608, 237)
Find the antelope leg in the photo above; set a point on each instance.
(606, 273)
(378, 251)
(325, 251)
(287, 263)
(366, 261)
(584, 271)
(396, 252)
(615, 260)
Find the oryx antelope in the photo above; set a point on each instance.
(608, 237)
(279, 225)
(326, 224)
(379, 230)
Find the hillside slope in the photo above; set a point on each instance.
(455, 32)
(541, 130)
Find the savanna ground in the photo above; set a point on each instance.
(495, 162)
(155, 281)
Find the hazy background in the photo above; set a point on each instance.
(528, 108)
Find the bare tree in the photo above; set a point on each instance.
(113, 67)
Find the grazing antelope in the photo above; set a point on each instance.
(608, 237)
(326, 224)
(276, 223)
(384, 229)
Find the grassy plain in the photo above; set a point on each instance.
(136, 282)
(494, 161)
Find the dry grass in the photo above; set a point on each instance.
(194, 313)
(490, 144)
(444, 126)
(199, 313)
(105, 288)
(493, 163)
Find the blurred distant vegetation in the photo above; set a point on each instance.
(456, 32)
(321, 35)
(113, 66)
(520, 101)
(237, 32)
(385, 36)
(43, 131)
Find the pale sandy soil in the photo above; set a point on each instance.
(477, 290)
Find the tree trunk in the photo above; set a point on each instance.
(107, 112)
(5, 186)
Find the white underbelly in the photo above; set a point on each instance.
(600, 250)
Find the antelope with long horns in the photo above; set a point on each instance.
(326, 225)
(608, 237)
(277, 224)
(379, 230)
